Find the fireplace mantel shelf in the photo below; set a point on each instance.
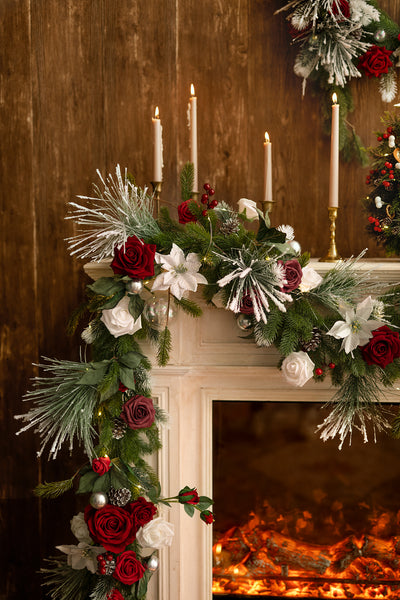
(212, 360)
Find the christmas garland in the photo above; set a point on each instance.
(105, 404)
(382, 204)
(340, 40)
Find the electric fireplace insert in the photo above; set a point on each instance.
(297, 517)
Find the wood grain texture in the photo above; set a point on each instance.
(78, 85)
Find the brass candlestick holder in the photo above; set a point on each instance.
(332, 254)
(195, 195)
(267, 205)
(157, 185)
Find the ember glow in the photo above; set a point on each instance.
(259, 560)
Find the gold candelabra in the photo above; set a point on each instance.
(195, 195)
(157, 185)
(267, 205)
(332, 254)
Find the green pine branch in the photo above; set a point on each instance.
(53, 489)
(164, 347)
(189, 306)
(187, 180)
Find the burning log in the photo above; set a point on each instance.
(387, 552)
(260, 566)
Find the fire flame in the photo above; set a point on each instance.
(259, 560)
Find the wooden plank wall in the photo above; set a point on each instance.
(78, 85)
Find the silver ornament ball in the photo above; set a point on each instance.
(244, 322)
(153, 563)
(156, 311)
(294, 244)
(98, 500)
(380, 35)
(135, 286)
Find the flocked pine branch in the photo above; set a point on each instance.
(66, 583)
(118, 211)
(356, 406)
(63, 407)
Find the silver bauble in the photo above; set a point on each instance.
(98, 500)
(155, 312)
(153, 563)
(380, 35)
(244, 322)
(294, 244)
(135, 286)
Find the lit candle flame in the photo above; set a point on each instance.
(218, 549)
(157, 113)
(266, 137)
(192, 92)
(334, 98)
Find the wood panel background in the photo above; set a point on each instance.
(78, 85)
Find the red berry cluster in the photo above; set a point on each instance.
(318, 372)
(205, 199)
(385, 136)
(106, 563)
(375, 222)
(372, 173)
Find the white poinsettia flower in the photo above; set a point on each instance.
(310, 279)
(82, 556)
(357, 327)
(181, 273)
(249, 207)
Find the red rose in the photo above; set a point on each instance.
(138, 412)
(246, 305)
(382, 348)
(207, 516)
(185, 216)
(115, 595)
(135, 259)
(112, 527)
(375, 61)
(293, 274)
(101, 465)
(343, 6)
(128, 568)
(142, 511)
(188, 496)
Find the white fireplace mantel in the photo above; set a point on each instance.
(211, 361)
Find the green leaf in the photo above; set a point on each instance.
(142, 584)
(102, 483)
(113, 301)
(270, 234)
(118, 479)
(106, 286)
(127, 377)
(131, 359)
(189, 509)
(206, 499)
(136, 306)
(95, 372)
(87, 482)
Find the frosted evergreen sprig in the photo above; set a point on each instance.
(118, 211)
(66, 583)
(63, 408)
(356, 406)
(250, 273)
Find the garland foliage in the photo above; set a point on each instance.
(318, 324)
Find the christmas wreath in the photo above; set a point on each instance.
(319, 325)
(340, 40)
(382, 204)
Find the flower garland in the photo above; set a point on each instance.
(106, 405)
(340, 40)
(382, 205)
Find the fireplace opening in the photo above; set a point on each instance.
(297, 517)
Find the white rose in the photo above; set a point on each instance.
(119, 320)
(298, 368)
(250, 208)
(156, 534)
(310, 279)
(80, 529)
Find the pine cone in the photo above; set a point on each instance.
(314, 342)
(230, 226)
(119, 497)
(119, 429)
